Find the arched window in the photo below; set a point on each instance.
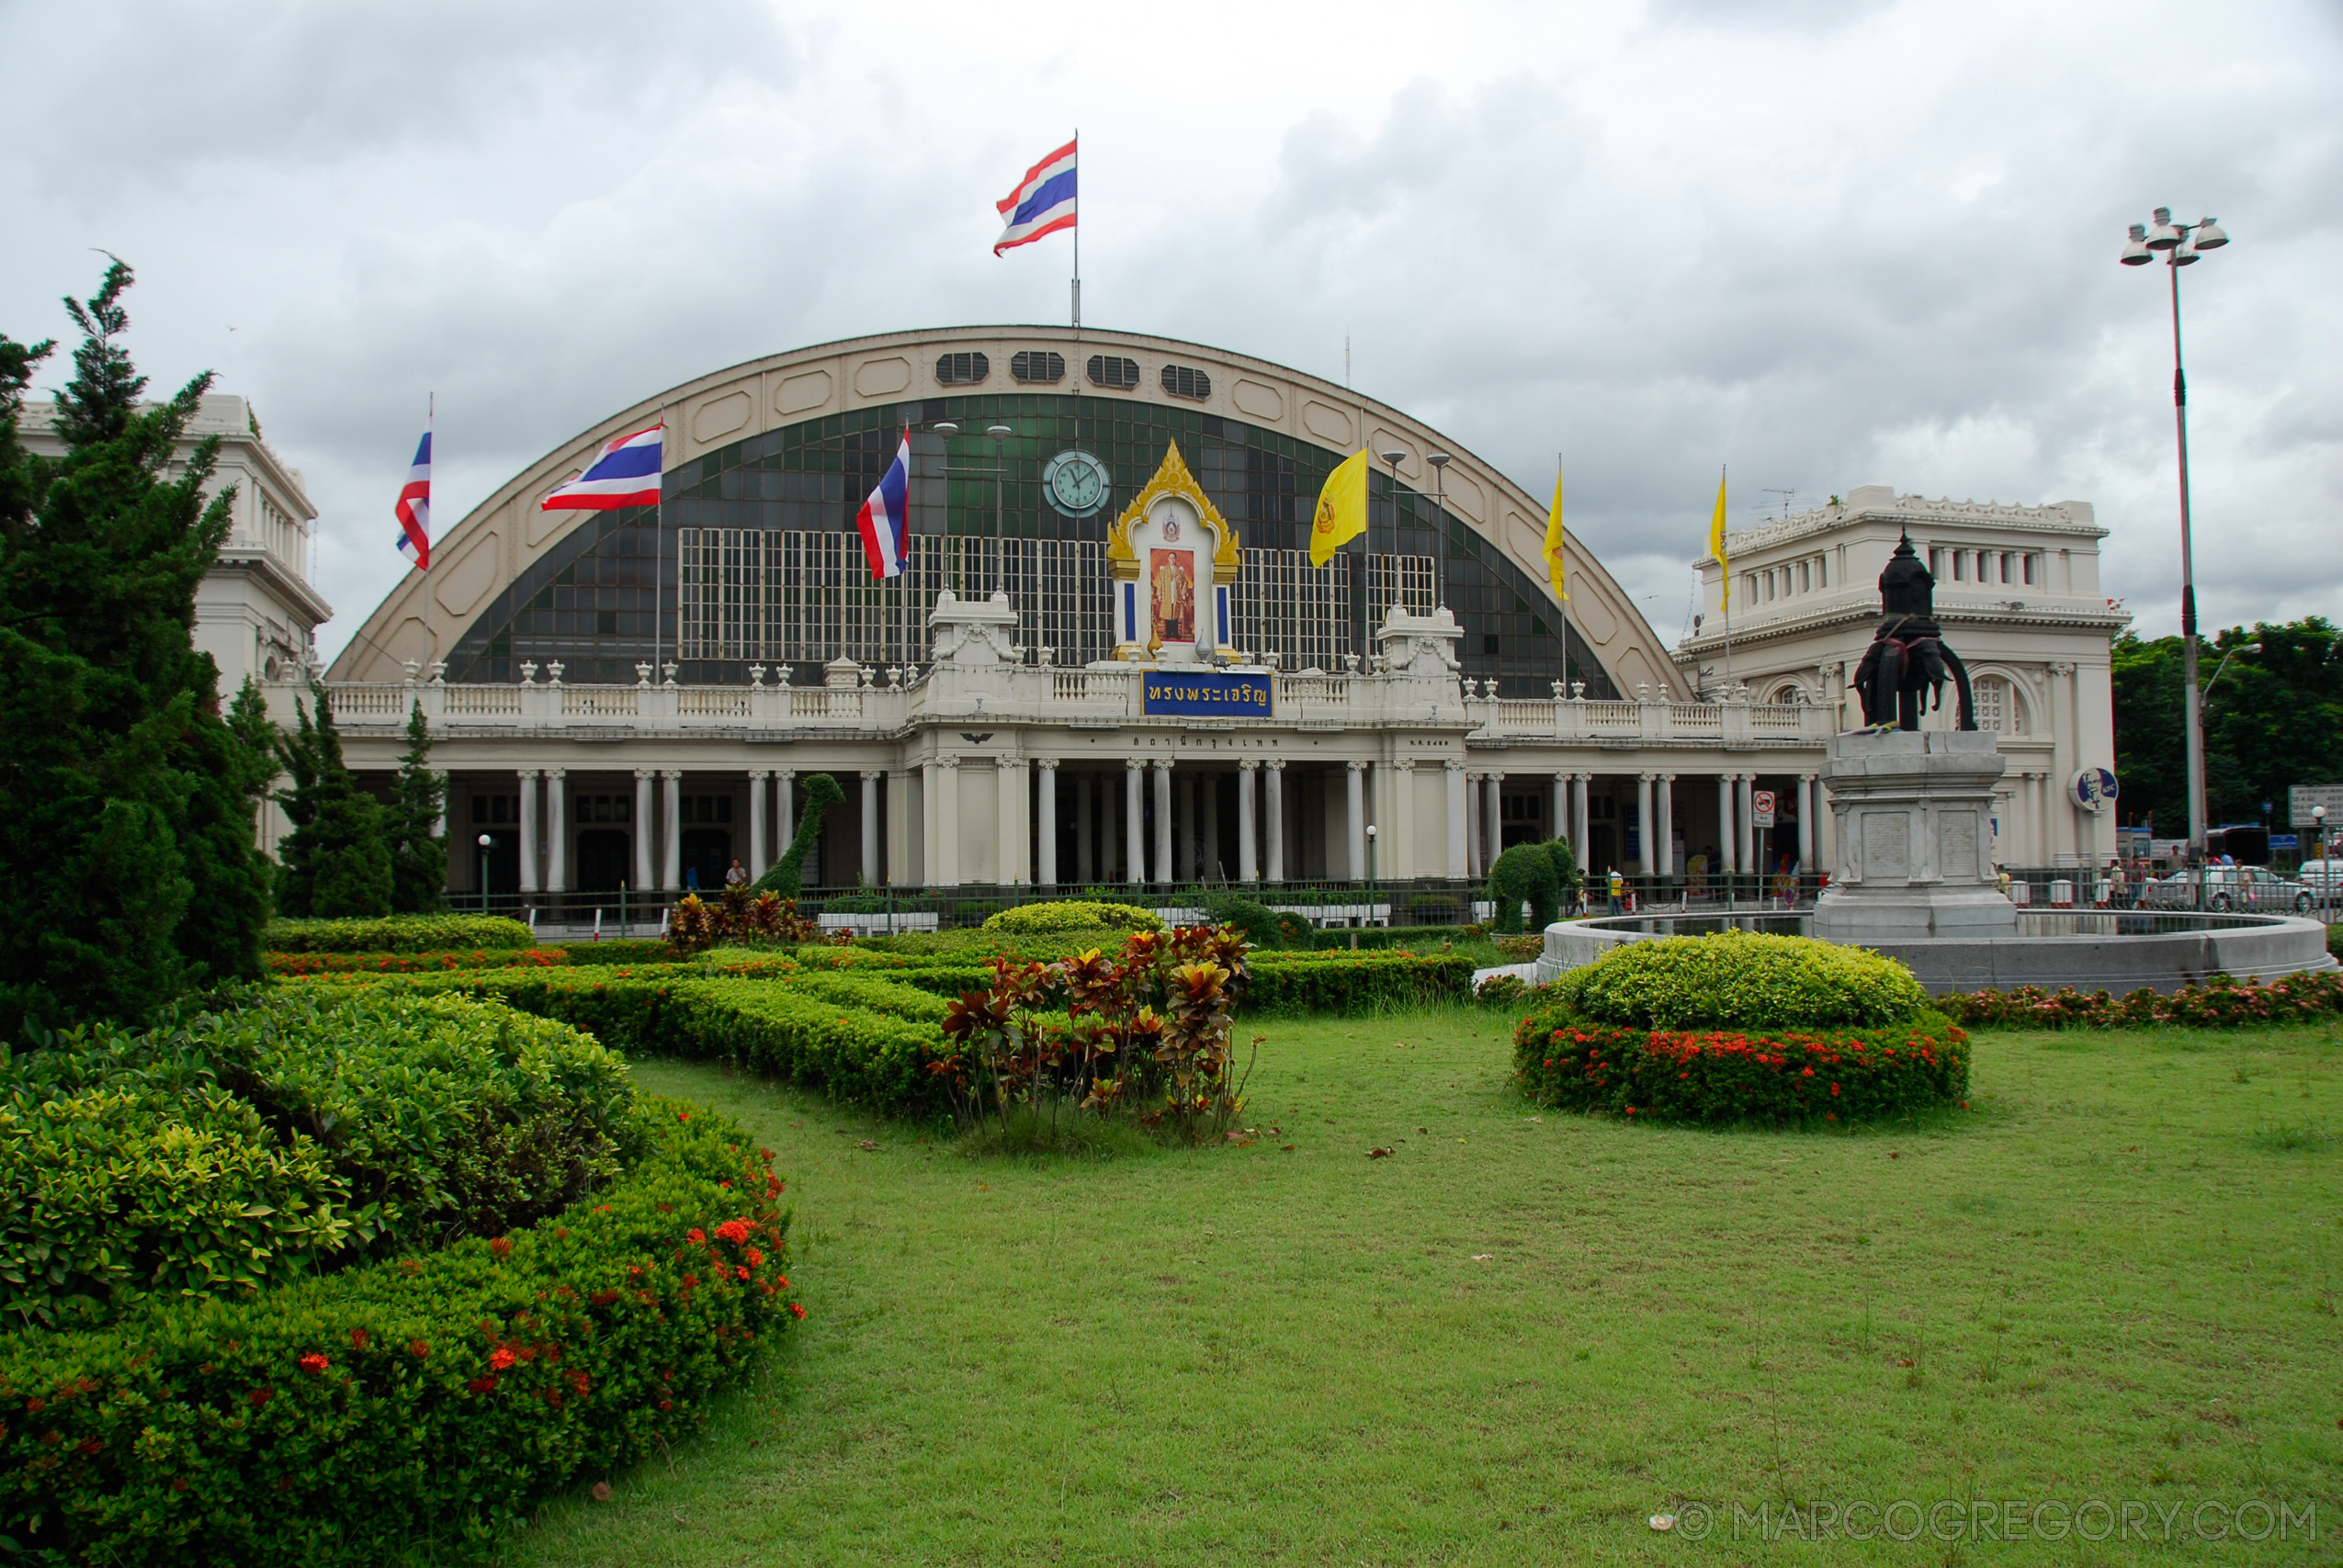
(2001, 710)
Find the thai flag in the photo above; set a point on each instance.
(625, 474)
(1044, 203)
(885, 517)
(413, 510)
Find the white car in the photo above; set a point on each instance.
(2323, 876)
(2230, 888)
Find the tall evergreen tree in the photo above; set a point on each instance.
(418, 854)
(334, 862)
(126, 868)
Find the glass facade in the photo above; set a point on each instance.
(753, 558)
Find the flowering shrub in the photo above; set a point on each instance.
(1501, 990)
(412, 1409)
(2221, 1002)
(1730, 1075)
(1742, 980)
(396, 934)
(740, 915)
(298, 965)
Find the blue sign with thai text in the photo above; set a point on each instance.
(1205, 694)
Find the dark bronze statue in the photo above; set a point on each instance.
(1907, 661)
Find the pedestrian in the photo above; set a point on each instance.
(737, 877)
(1618, 891)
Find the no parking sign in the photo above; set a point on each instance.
(1761, 807)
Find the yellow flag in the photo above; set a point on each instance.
(1341, 509)
(1717, 540)
(1554, 542)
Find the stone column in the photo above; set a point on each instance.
(1397, 816)
(902, 856)
(1134, 820)
(760, 800)
(943, 813)
(646, 823)
(784, 810)
(438, 823)
(1647, 859)
(1273, 808)
(1493, 817)
(528, 830)
(1046, 820)
(1562, 807)
(1085, 845)
(1579, 832)
(673, 779)
(1745, 855)
(1664, 814)
(1459, 828)
(1248, 836)
(1807, 802)
(870, 825)
(1163, 866)
(1183, 826)
(1725, 836)
(1356, 824)
(1013, 823)
(557, 830)
(1472, 824)
(1209, 861)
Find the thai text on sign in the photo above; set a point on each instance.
(1207, 693)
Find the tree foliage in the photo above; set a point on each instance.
(334, 862)
(2275, 718)
(788, 872)
(418, 852)
(128, 870)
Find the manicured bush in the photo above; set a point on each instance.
(397, 934)
(2221, 1002)
(621, 950)
(894, 997)
(308, 1132)
(1742, 980)
(1346, 982)
(1730, 1075)
(295, 966)
(410, 1411)
(1256, 919)
(1072, 915)
(1501, 990)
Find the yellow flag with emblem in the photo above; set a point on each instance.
(1341, 509)
(1717, 540)
(1554, 542)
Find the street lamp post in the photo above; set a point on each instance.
(2181, 248)
(484, 841)
(1440, 461)
(2318, 837)
(1370, 838)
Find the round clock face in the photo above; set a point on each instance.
(1076, 483)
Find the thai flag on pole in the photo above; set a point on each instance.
(413, 510)
(1043, 203)
(885, 517)
(625, 474)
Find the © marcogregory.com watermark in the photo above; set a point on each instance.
(1978, 1520)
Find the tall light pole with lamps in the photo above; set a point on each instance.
(2181, 244)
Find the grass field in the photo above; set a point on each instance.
(1516, 1339)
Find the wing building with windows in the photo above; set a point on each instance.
(1109, 659)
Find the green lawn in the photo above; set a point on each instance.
(1517, 1338)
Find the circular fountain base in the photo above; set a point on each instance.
(2088, 949)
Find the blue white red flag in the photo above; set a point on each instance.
(625, 474)
(1043, 203)
(413, 510)
(885, 517)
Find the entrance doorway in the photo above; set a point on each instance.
(708, 855)
(602, 859)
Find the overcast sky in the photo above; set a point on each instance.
(1847, 243)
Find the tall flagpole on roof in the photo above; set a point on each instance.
(1078, 226)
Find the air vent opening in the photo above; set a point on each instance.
(1107, 370)
(962, 369)
(1038, 366)
(1186, 381)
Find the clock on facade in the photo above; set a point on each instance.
(1076, 483)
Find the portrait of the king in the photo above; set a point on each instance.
(1172, 585)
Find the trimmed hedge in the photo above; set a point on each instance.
(869, 991)
(408, 1412)
(2221, 1002)
(622, 950)
(1719, 1076)
(1742, 980)
(1072, 915)
(395, 933)
(296, 965)
(1347, 982)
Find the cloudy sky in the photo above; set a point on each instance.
(1830, 241)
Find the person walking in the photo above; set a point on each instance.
(1618, 891)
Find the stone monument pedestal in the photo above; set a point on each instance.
(1913, 811)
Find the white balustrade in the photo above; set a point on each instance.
(601, 701)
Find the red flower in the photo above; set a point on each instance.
(603, 1298)
(418, 1348)
(742, 1271)
(756, 1259)
(501, 1357)
(797, 1309)
(482, 1385)
(683, 1116)
(357, 1338)
(501, 1246)
(313, 1362)
(260, 1396)
(691, 1282)
(695, 1235)
(733, 1230)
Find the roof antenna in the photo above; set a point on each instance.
(1346, 362)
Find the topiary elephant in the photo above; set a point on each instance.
(1524, 872)
(821, 793)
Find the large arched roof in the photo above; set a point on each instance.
(504, 534)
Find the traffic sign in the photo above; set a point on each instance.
(1761, 807)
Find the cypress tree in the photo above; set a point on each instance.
(335, 861)
(127, 867)
(418, 855)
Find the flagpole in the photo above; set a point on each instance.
(1561, 595)
(1725, 581)
(430, 423)
(1078, 227)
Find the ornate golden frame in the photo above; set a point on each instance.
(1171, 477)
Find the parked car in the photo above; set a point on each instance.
(2324, 877)
(2241, 888)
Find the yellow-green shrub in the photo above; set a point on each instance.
(1741, 980)
(1074, 915)
(396, 934)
